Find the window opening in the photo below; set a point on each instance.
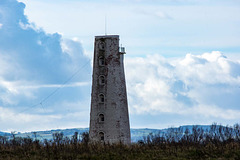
(101, 135)
(101, 46)
(101, 98)
(101, 80)
(101, 118)
(101, 61)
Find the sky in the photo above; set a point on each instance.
(182, 64)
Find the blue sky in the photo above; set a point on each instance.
(182, 64)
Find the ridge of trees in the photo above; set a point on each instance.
(177, 143)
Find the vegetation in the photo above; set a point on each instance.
(217, 142)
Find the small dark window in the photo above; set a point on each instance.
(101, 46)
(101, 80)
(101, 136)
(101, 98)
(101, 61)
(101, 118)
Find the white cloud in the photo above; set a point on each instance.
(12, 121)
(59, 115)
(209, 68)
(33, 65)
(31, 57)
(200, 85)
(26, 26)
(212, 111)
(76, 84)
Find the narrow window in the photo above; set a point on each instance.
(101, 136)
(101, 98)
(101, 46)
(101, 118)
(101, 80)
(101, 61)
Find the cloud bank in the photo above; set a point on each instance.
(34, 63)
(206, 86)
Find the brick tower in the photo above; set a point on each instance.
(109, 119)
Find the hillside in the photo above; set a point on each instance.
(136, 134)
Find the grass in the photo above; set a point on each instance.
(219, 143)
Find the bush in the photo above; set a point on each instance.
(218, 142)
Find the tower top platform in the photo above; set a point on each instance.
(107, 36)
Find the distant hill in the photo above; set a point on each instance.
(136, 134)
(4, 134)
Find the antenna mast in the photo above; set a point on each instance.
(105, 24)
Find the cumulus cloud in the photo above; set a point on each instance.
(204, 85)
(45, 118)
(34, 63)
(16, 121)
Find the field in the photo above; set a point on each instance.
(218, 142)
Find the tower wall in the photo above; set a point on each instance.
(109, 119)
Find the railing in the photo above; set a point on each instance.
(122, 50)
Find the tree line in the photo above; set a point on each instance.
(176, 143)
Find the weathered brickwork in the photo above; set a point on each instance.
(109, 119)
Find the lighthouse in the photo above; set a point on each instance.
(109, 118)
